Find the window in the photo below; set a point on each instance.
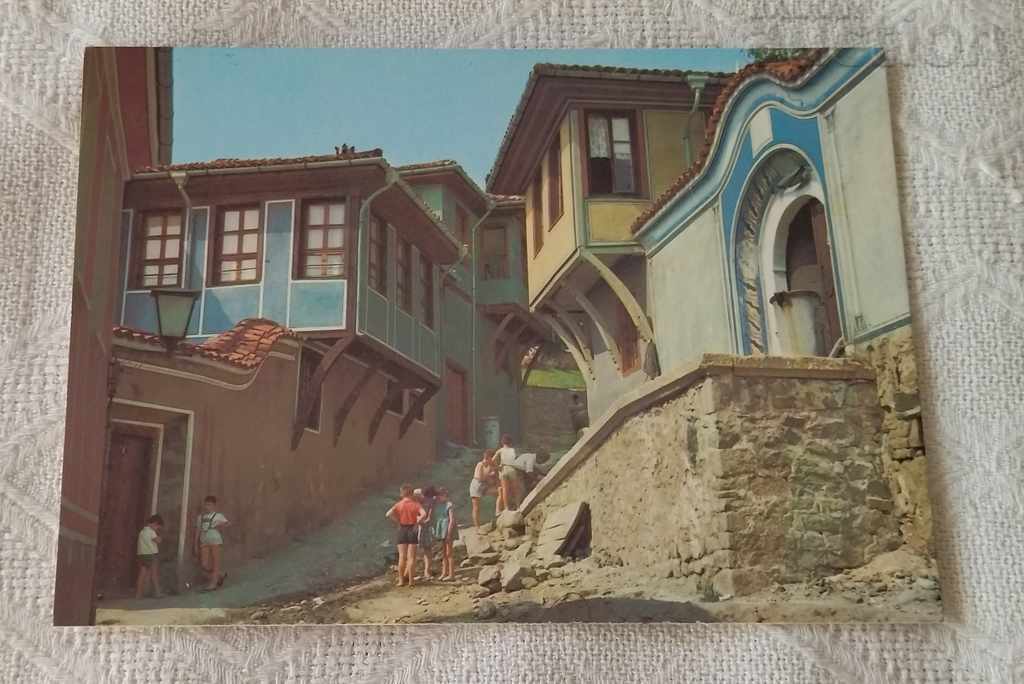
(611, 167)
(403, 275)
(461, 225)
(427, 291)
(411, 397)
(237, 248)
(535, 215)
(377, 270)
(309, 360)
(626, 337)
(159, 250)
(494, 262)
(322, 240)
(396, 401)
(555, 182)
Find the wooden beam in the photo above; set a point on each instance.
(633, 308)
(341, 415)
(510, 341)
(307, 394)
(562, 315)
(508, 318)
(422, 398)
(570, 344)
(601, 323)
(395, 391)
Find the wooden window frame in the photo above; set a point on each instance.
(377, 273)
(216, 256)
(301, 251)
(137, 268)
(636, 150)
(485, 257)
(537, 213)
(555, 202)
(427, 308)
(403, 275)
(306, 373)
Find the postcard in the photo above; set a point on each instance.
(422, 336)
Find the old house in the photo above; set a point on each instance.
(752, 217)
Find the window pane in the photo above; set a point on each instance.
(249, 243)
(620, 129)
(169, 279)
(315, 215)
(335, 237)
(173, 224)
(171, 268)
(171, 249)
(315, 239)
(153, 249)
(154, 225)
(597, 131)
(334, 258)
(337, 214)
(333, 270)
(252, 218)
(228, 272)
(230, 245)
(150, 280)
(623, 150)
(230, 220)
(249, 264)
(623, 175)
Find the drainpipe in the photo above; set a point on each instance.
(697, 83)
(180, 179)
(472, 347)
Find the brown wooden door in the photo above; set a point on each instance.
(823, 253)
(458, 404)
(124, 511)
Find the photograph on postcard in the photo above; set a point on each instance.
(421, 336)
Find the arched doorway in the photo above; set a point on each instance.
(802, 311)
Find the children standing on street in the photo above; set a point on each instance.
(407, 514)
(148, 552)
(208, 542)
(444, 532)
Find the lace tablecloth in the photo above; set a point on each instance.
(958, 102)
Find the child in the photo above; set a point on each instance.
(148, 551)
(444, 532)
(483, 475)
(425, 536)
(407, 514)
(510, 475)
(208, 541)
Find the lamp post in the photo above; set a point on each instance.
(173, 313)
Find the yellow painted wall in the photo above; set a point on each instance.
(610, 220)
(665, 149)
(559, 239)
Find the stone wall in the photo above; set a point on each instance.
(547, 418)
(747, 475)
(903, 446)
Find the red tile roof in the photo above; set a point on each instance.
(246, 345)
(427, 165)
(787, 71)
(272, 161)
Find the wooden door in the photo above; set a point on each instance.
(124, 510)
(823, 253)
(458, 404)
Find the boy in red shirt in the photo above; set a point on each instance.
(408, 514)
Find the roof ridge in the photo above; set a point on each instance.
(239, 162)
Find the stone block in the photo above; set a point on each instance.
(522, 551)
(490, 577)
(510, 520)
(739, 582)
(512, 575)
(476, 543)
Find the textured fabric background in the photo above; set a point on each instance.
(958, 101)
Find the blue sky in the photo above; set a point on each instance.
(417, 105)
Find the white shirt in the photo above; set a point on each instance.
(526, 462)
(507, 456)
(208, 533)
(147, 545)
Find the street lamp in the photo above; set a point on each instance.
(173, 313)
